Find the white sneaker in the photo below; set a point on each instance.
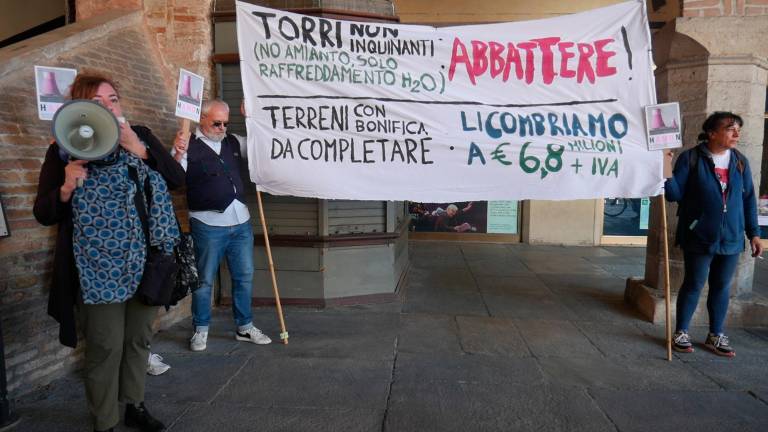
(253, 335)
(155, 366)
(199, 341)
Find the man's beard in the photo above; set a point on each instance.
(215, 136)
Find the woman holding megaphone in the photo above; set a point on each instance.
(101, 248)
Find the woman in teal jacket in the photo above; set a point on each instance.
(712, 183)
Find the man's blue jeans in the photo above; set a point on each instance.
(212, 243)
(719, 269)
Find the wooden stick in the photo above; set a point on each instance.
(667, 294)
(185, 128)
(283, 331)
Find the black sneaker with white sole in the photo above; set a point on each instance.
(720, 345)
(681, 342)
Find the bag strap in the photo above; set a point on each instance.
(693, 175)
(141, 200)
(739, 161)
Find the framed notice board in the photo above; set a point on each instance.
(4, 230)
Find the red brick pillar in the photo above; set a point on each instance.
(181, 29)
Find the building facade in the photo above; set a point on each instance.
(710, 55)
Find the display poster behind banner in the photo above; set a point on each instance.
(484, 217)
(546, 109)
(456, 217)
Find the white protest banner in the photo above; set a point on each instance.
(549, 109)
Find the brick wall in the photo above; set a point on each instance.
(182, 29)
(121, 45)
(90, 8)
(710, 8)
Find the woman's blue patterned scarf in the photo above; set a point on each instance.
(108, 237)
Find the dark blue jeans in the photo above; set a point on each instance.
(699, 268)
(212, 243)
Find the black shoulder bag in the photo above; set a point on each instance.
(187, 279)
(159, 278)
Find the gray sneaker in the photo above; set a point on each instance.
(199, 341)
(720, 345)
(682, 342)
(155, 365)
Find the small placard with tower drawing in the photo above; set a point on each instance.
(52, 84)
(662, 123)
(189, 95)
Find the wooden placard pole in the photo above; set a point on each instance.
(283, 331)
(667, 295)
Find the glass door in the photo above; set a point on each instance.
(625, 220)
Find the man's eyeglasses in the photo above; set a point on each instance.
(220, 124)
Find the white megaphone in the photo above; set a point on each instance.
(86, 130)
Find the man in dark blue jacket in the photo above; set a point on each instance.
(712, 183)
(219, 219)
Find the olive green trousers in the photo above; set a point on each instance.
(117, 338)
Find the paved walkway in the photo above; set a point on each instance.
(486, 338)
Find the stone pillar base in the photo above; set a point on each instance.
(743, 311)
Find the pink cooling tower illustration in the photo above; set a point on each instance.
(657, 122)
(49, 85)
(187, 91)
(186, 88)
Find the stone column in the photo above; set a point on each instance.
(707, 64)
